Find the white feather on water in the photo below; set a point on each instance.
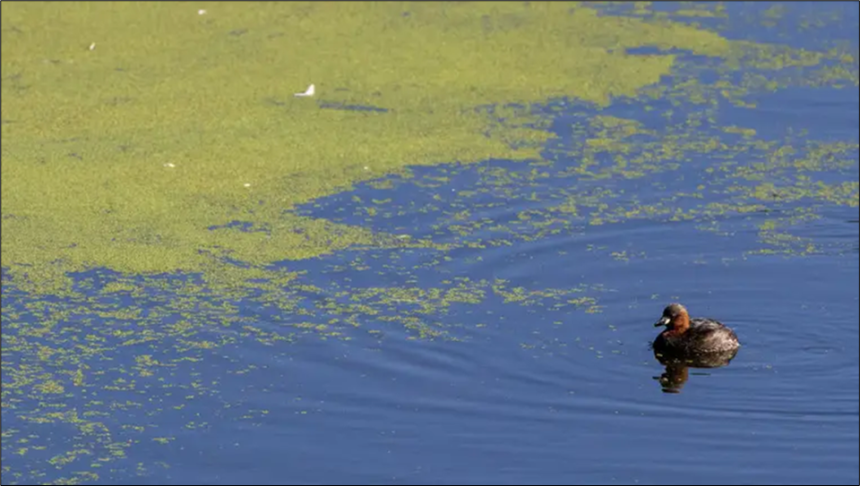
(309, 92)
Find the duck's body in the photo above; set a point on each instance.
(690, 337)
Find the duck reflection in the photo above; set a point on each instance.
(677, 370)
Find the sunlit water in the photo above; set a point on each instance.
(554, 384)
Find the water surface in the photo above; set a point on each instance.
(501, 334)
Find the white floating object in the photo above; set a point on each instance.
(309, 92)
(201, 12)
(247, 184)
(169, 165)
(366, 168)
(92, 46)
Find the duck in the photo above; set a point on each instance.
(688, 338)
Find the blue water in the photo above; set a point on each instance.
(554, 383)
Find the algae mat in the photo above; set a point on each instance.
(131, 130)
(124, 155)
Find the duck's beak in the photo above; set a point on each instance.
(664, 321)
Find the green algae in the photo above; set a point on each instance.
(124, 155)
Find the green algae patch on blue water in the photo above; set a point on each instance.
(137, 136)
(130, 130)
